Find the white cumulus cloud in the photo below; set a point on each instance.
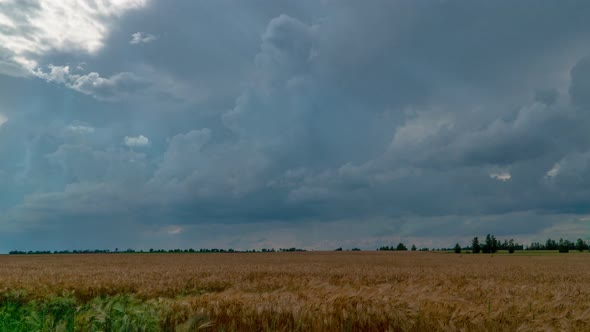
(173, 230)
(111, 88)
(501, 176)
(31, 30)
(553, 171)
(136, 141)
(141, 38)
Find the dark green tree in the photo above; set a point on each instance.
(457, 248)
(491, 244)
(401, 247)
(495, 244)
(511, 246)
(487, 246)
(581, 245)
(475, 245)
(413, 247)
(563, 246)
(551, 245)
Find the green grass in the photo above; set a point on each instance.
(122, 313)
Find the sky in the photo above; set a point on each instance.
(274, 124)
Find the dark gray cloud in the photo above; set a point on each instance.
(579, 89)
(259, 124)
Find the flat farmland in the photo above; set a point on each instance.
(308, 291)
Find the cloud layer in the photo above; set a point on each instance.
(257, 124)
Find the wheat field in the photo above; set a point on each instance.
(308, 291)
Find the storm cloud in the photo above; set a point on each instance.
(310, 124)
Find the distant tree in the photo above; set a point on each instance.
(581, 245)
(563, 246)
(338, 249)
(511, 246)
(495, 244)
(487, 246)
(413, 247)
(551, 245)
(491, 244)
(457, 248)
(504, 245)
(401, 247)
(475, 245)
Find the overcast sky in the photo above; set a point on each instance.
(313, 124)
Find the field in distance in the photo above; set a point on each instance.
(308, 291)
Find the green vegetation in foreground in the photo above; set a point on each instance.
(114, 313)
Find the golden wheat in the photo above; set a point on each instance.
(327, 291)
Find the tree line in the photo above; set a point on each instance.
(561, 245)
(491, 245)
(488, 245)
(128, 251)
(400, 247)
